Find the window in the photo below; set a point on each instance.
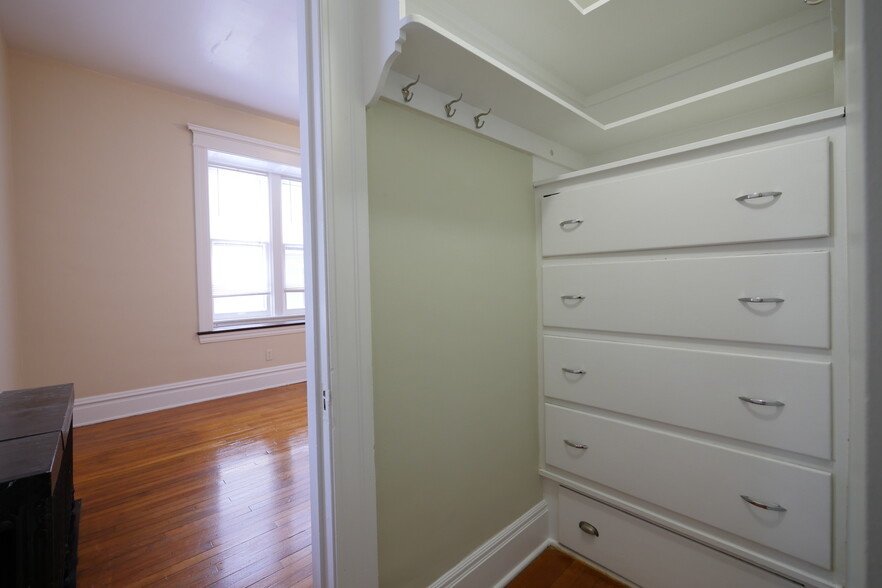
(249, 235)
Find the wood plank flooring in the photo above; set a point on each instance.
(556, 569)
(210, 494)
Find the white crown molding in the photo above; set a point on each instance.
(205, 134)
(226, 142)
(491, 563)
(586, 6)
(97, 409)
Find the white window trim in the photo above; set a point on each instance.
(204, 140)
(234, 335)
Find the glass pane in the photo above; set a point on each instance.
(238, 205)
(239, 268)
(295, 301)
(241, 305)
(292, 212)
(294, 267)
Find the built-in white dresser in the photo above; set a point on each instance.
(694, 340)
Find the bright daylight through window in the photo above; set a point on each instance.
(249, 230)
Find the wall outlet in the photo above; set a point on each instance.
(269, 354)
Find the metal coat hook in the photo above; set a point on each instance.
(405, 91)
(478, 122)
(448, 108)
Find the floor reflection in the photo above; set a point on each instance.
(214, 494)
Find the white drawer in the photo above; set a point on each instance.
(698, 480)
(696, 297)
(696, 204)
(649, 555)
(698, 389)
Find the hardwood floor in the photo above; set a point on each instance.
(556, 569)
(211, 494)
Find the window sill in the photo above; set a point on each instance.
(233, 333)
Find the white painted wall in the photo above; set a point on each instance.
(8, 363)
(105, 232)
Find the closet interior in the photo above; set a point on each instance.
(689, 175)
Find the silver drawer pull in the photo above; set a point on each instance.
(754, 195)
(763, 505)
(761, 300)
(761, 402)
(575, 372)
(573, 297)
(589, 528)
(575, 445)
(572, 221)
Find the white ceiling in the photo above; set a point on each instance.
(238, 52)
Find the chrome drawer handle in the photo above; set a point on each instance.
(573, 297)
(572, 221)
(761, 300)
(755, 195)
(575, 445)
(589, 528)
(763, 505)
(761, 402)
(574, 372)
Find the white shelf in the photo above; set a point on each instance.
(722, 90)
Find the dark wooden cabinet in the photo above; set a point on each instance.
(38, 513)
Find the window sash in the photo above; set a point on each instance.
(277, 303)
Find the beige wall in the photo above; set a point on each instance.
(8, 368)
(106, 273)
(454, 320)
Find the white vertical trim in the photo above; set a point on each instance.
(339, 339)
(203, 238)
(863, 49)
(277, 245)
(336, 146)
(321, 499)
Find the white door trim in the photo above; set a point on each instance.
(333, 131)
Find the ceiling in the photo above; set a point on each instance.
(237, 52)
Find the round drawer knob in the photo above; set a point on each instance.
(589, 528)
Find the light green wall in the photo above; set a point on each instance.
(453, 287)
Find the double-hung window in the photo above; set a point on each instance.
(249, 235)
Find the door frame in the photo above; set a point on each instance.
(340, 380)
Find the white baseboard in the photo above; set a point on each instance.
(96, 409)
(501, 558)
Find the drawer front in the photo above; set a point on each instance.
(696, 204)
(698, 480)
(614, 548)
(697, 297)
(699, 390)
